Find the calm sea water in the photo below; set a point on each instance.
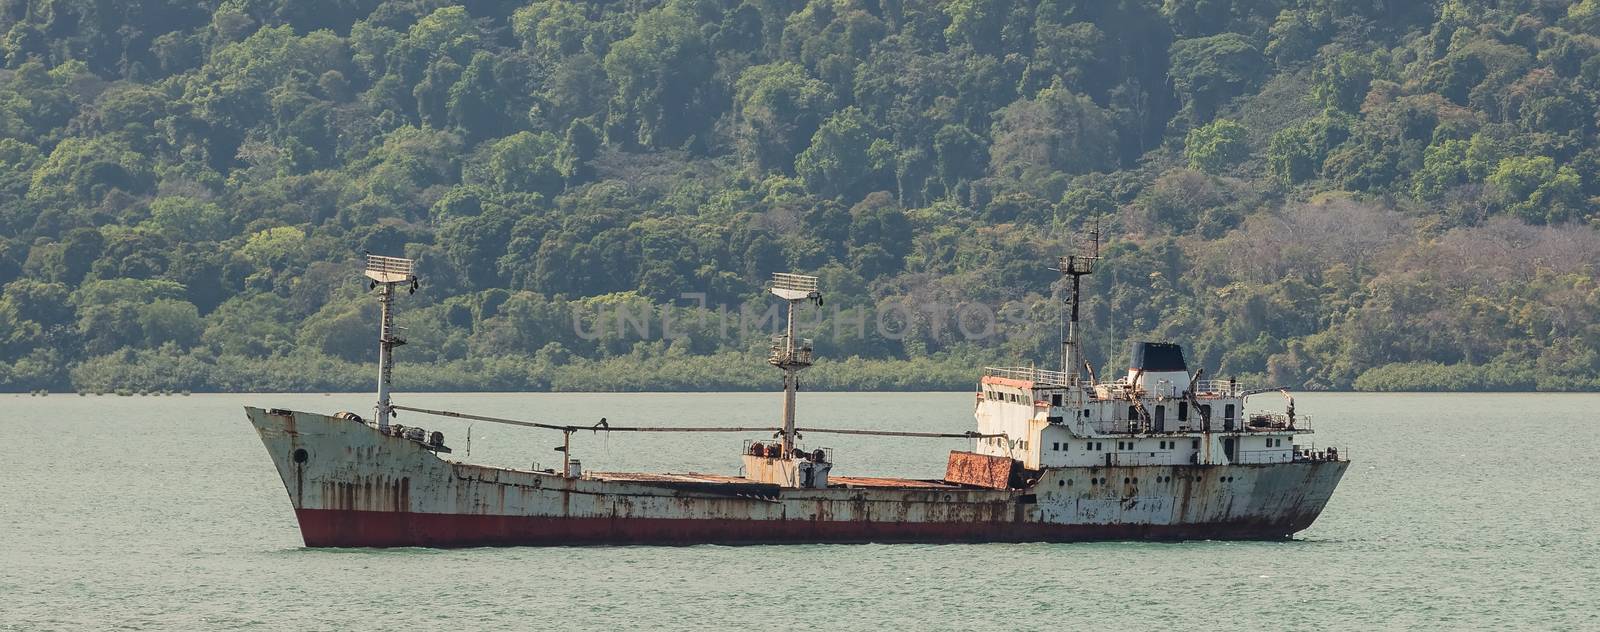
(1460, 511)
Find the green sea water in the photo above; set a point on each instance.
(1469, 511)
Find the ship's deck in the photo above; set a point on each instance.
(847, 482)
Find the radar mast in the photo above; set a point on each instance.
(1077, 265)
(789, 354)
(385, 274)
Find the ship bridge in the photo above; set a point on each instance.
(1159, 413)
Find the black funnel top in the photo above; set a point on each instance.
(1157, 356)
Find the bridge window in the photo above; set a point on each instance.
(1055, 399)
(1183, 411)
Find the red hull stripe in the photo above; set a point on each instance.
(348, 528)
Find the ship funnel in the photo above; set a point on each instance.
(1157, 357)
(1158, 368)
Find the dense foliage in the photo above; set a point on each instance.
(1375, 194)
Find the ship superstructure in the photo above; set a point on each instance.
(1159, 453)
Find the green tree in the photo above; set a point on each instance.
(250, 325)
(837, 162)
(170, 320)
(1342, 83)
(779, 108)
(962, 156)
(1296, 35)
(1444, 166)
(975, 23)
(188, 219)
(524, 162)
(1057, 132)
(1207, 71)
(1296, 154)
(474, 102)
(1536, 190)
(660, 72)
(1217, 146)
(274, 248)
(553, 28)
(578, 150)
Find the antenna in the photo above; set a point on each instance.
(1077, 266)
(789, 354)
(386, 273)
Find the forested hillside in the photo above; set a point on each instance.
(1371, 194)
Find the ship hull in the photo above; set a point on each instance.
(351, 528)
(352, 486)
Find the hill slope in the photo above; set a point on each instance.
(1318, 193)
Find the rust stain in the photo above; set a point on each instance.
(979, 470)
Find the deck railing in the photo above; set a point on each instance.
(1046, 377)
(1039, 377)
(1225, 388)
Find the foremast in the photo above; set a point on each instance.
(385, 274)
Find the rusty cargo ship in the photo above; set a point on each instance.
(1156, 454)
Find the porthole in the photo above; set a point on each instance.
(1069, 483)
(1126, 480)
(300, 455)
(1135, 480)
(1061, 483)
